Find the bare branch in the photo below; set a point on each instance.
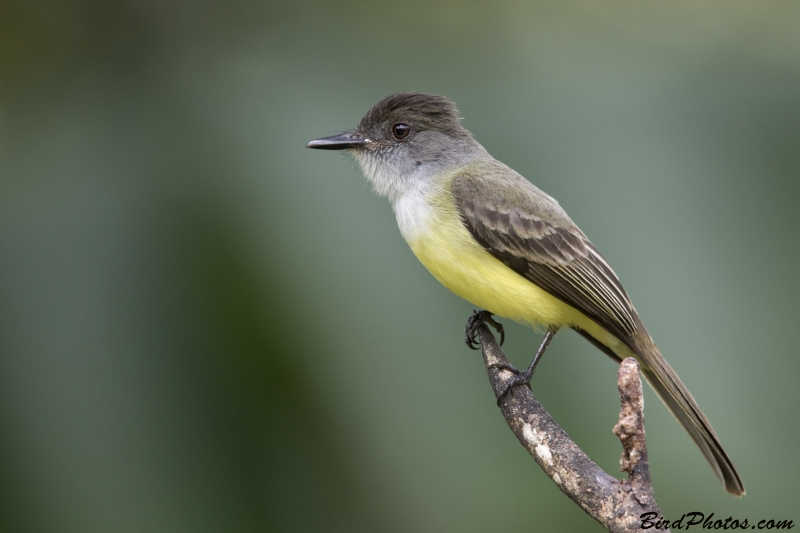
(617, 504)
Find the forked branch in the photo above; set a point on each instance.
(617, 504)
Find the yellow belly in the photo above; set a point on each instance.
(462, 265)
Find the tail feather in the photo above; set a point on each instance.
(681, 403)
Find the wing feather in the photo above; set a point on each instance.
(531, 234)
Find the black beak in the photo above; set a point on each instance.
(343, 141)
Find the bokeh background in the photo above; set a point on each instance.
(206, 327)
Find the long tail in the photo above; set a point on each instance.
(679, 400)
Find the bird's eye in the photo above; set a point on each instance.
(400, 131)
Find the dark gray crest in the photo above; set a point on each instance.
(421, 110)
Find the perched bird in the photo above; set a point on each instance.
(493, 238)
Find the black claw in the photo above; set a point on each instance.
(470, 333)
(505, 366)
(477, 319)
(499, 327)
(511, 383)
(521, 378)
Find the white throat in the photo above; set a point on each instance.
(408, 190)
(387, 180)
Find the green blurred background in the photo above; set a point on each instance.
(206, 327)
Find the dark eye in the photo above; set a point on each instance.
(400, 131)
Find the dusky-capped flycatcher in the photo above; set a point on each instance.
(490, 236)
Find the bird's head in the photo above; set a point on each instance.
(404, 139)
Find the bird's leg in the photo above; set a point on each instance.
(524, 377)
(477, 319)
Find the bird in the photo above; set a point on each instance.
(495, 239)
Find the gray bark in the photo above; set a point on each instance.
(617, 504)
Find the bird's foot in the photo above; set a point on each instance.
(521, 377)
(477, 319)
